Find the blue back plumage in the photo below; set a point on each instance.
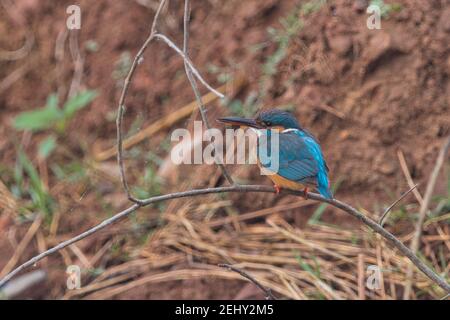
(300, 156)
(323, 183)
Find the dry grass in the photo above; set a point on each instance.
(313, 262)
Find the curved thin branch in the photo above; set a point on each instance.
(388, 209)
(194, 86)
(19, 53)
(29, 39)
(242, 188)
(172, 45)
(267, 291)
(121, 108)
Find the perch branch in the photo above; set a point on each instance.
(242, 188)
(267, 291)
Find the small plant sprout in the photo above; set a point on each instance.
(51, 116)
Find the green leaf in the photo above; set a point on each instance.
(41, 199)
(46, 147)
(305, 266)
(39, 119)
(31, 171)
(52, 101)
(78, 102)
(18, 178)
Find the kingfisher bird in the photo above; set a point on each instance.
(301, 162)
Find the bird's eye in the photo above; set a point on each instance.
(267, 123)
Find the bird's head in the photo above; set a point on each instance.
(271, 119)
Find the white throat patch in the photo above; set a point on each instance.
(257, 131)
(290, 130)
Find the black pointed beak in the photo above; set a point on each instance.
(240, 122)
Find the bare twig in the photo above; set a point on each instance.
(19, 53)
(59, 56)
(407, 174)
(423, 211)
(194, 84)
(241, 188)
(121, 109)
(123, 95)
(267, 291)
(332, 110)
(388, 209)
(191, 67)
(78, 62)
(29, 40)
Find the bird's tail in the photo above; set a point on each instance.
(324, 185)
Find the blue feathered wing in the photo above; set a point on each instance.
(301, 160)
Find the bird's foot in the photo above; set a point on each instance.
(305, 191)
(277, 188)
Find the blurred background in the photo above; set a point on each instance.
(377, 99)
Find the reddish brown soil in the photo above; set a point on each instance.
(390, 87)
